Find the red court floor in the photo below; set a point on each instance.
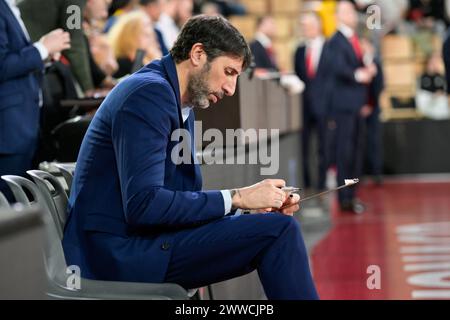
(404, 234)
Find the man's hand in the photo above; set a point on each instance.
(366, 111)
(264, 194)
(56, 41)
(291, 205)
(363, 75)
(373, 69)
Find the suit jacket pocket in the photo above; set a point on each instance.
(106, 224)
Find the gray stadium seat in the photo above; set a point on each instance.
(21, 244)
(3, 202)
(18, 185)
(67, 171)
(54, 195)
(57, 269)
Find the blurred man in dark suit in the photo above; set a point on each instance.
(21, 67)
(371, 115)
(312, 67)
(348, 99)
(262, 46)
(446, 56)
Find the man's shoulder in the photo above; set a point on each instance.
(336, 37)
(149, 79)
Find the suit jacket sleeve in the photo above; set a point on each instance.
(377, 84)
(18, 63)
(297, 63)
(141, 132)
(77, 54)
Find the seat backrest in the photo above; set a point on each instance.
(19, 186)
(55, 262)
(21, 242)
(67, 172)
(68, 137)
(53, 193)
(4, 204)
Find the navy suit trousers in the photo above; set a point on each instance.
(348, 151)
(236, 245)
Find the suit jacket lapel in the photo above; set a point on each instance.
(172, 76)
(10, 15)
(349, 46)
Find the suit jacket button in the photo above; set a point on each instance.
(165, 246)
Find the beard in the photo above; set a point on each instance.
(198, 89)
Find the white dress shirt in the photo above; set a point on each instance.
(263, 39)
(315, 46)
(346, 31)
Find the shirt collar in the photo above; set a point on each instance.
(185, 112)
(263, 39)
(11, 3)
(317, 41)
(346, 30)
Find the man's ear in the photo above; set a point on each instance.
(198, 55)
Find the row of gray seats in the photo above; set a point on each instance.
(48, 193)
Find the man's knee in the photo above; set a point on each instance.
(282, 223)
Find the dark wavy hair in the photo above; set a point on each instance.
(218, 37)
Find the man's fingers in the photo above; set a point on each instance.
(291, 210)
(279, 183)
(295, 198)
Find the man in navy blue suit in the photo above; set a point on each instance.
(137, 215)
(262, 46)
(21, 67)
(312, 67)
(349, 98)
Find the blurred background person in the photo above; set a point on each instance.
(349, 95)
(210, 9)
(133, 32)
(431, 96)
(153, 8)
(446, 58)
(262, 46)
(103, 55)
(118, 8)
(101, 71)
(42, 16)
(372, 147)
(184, 11)
(167, 22)
(312, 67)
(21, 69)
(225, 8)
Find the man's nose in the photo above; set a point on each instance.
(230, 87)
